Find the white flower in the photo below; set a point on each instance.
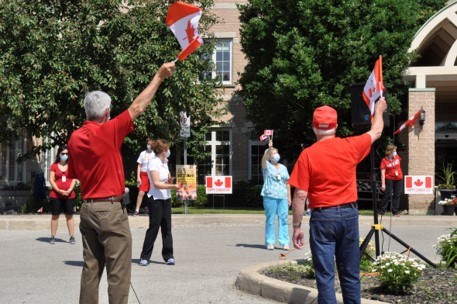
(389, 270)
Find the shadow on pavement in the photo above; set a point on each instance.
(257, 246)
(74, 263)
(47, 239)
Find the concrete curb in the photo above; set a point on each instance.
(251, 281)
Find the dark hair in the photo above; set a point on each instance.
(160, 145)
(150, 142)
(59, 150)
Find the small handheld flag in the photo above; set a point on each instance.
(266, 134)
(410, 122)
(40, 210)
(182, 19)
(374, 87)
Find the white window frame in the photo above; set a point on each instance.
(213, 143)
(214, 57)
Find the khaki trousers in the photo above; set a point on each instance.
(107, 241)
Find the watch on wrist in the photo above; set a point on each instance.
(298, 225)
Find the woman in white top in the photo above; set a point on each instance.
(159, 204)
(142, 178)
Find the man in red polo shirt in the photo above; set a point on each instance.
(96, 161)
(325, 173)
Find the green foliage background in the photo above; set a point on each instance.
(53, 52)
(306, 53)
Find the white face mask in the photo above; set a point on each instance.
(64, 157)
(148, 147)
(394, 153)
(168, 153)
(275, 158)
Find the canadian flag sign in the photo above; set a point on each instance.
(182, 19)
(418, 184)
(266, 134)
(218, 185)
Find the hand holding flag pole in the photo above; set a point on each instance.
(182, 19)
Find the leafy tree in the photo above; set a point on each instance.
(306, 53)
(53, 52)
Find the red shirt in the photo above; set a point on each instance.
(327, 170)
(63, 182)
(95, 156)
(391, 166)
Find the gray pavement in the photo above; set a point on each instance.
(210, 251)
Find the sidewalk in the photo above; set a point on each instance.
(211, 252)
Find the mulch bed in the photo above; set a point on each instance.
(435, 286)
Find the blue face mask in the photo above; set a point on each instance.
(168, 153)
(64, 157)
(275, 158)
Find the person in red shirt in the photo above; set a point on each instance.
(62, 196)
(96, 161)
(325, 174)
(391, 181)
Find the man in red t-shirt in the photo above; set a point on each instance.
(96, 162)
(325, 174)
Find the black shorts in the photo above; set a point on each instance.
(65, 205)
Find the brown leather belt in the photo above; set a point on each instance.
(348, 205)
(112, 199)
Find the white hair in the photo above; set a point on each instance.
(95, 104)
(320, 132)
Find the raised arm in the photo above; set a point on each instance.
(267, 154)
(377, 124)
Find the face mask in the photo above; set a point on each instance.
(394, 153)
(64, 157)
(148, 147)
(275, 158)
(168, 154)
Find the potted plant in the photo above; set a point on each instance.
(447, 189)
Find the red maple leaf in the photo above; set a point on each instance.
(218, 183)
(190, 31)
(418, 183)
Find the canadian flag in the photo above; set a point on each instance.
(410, 122)
(219, 182)
(268, 132)
(374, 87)
(182, 19)
(263, 137)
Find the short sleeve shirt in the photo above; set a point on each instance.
(95, 156)
(275, 181)
(62, 181)
(327, 170)
(164, 173)
(144, 159)
(392, 167)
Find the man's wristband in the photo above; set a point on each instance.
(298, 225)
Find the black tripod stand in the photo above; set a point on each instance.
(376, 227)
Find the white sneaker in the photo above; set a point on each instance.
(270, 247)
(286, 247)
(144, 262)
(171, 261)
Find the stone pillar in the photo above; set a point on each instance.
(421, 147)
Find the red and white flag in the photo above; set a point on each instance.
(410, 122)
(40, 210)
(374, 87)
(182, 19)
(266, 134)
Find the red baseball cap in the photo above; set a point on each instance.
(325, 118)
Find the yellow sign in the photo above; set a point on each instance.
(186, 178)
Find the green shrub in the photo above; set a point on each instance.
(447, 248)
(245, 194)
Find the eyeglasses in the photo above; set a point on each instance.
(63, 153)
